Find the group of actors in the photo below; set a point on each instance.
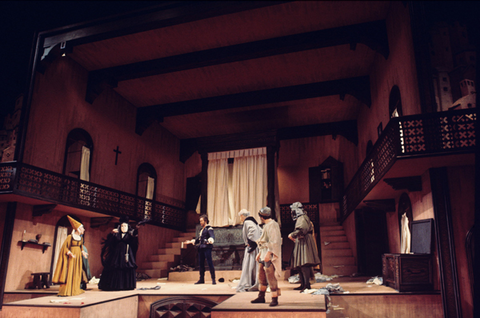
(118, 259)
(262, 261)
(261, 267)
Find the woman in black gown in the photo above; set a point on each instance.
(118, 258)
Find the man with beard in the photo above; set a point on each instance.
(251, 233)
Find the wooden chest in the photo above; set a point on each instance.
(408, 272)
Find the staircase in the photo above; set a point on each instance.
(159, 264)
(337, 256)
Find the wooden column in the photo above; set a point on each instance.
(445, 243)
(203, 193)
(5, 248)
(271, 181)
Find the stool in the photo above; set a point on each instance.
(40, 280)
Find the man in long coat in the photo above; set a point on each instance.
(305, 254)
(251, 233)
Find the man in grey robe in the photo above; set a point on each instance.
(251, 233)
(305, 254)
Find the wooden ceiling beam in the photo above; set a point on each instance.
(358, 87)
(348, 129)
(166, 14)
(372, 34)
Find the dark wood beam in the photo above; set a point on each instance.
(41, 209)
(405, 183)
(269, 138)
(358, 87)
(168, 13)
(372, 34)
(386, 205)
(347, 129)
(97, 222)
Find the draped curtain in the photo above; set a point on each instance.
(62, 233)
(85, 164)
(232, 187)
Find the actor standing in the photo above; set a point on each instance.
(69, 270)
(118, 258)
(269, 257)
(204, 242)
(251, 233)
(305, 254)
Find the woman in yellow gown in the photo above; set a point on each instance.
(68, 272)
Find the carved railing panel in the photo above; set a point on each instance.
(7, 177)
(42, 184)
(410, 136)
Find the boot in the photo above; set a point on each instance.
(274, 302)
(200, 281)
(302, 282)
(260, 299)
(306, 278)
(212, 275)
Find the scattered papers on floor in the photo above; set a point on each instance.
(329, 289)
(375, 280)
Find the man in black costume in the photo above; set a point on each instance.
(204, 242)
(118, 258)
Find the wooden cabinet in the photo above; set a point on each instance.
(408, 272)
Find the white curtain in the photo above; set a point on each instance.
(85, 164)
(149, 196)
(150, 186)
(241, 185)
(62, 233)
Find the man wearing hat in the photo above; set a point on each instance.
(69, 270)
(269, 257)
(305, 254)
(251, 233)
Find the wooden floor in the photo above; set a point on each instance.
(358, 299)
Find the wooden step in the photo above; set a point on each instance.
(336, 252)
(330, 228)
(337, 238)
(173, 245)
(335, 245)
(156, 265)
(332, 233)
(339, 260)
(340, 270)
(164, 258)
(169, 250)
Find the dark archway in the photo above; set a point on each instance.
(404, 206)
(78, 154)
(395, 103)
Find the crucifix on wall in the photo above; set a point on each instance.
(117, 152)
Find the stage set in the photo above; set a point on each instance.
(178, 296)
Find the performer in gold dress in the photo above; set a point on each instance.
(68, 272)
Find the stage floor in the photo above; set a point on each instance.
(289, 298)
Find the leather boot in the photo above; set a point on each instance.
(260, 299)
(274, 302)
(306, 277)
(212, 275)
(302, 282)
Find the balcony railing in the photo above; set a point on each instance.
(34, 182)
(451, 132)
